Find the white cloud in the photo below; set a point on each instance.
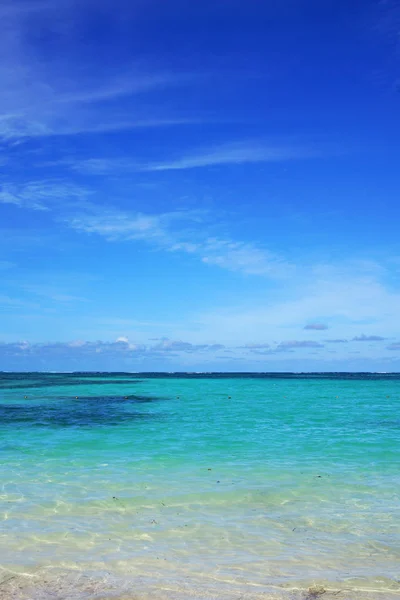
(349, 298)
(11, 195)
(44, 97)
(23, 126)
(115, 225)
(129, 84)
(175, 232)
(42, 194)
(76, 344)
(122, 346)
(181, 355)
(234, 154)
(242, 257)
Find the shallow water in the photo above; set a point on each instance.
(206, 487)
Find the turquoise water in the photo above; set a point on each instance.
(122, 486)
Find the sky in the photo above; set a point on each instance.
(200, 186)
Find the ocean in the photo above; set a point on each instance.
(175, 486)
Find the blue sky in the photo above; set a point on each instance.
(199, 186)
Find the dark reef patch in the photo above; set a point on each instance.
(75, 412)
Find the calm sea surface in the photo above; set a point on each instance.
(149, 486)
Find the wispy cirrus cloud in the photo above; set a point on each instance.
(116, 225)
(175, 232)
(42, 194)
(243, 257)
(184, 231)
(41, 96)
(252, 151)
(20, 126)
(231, 153)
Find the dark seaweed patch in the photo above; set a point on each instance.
(84, 412)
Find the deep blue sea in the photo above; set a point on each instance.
(175, 486)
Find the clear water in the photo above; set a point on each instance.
(141, 486)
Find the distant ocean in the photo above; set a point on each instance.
(177, 486)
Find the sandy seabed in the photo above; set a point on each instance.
(60, 584)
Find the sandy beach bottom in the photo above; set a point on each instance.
(69, 584)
